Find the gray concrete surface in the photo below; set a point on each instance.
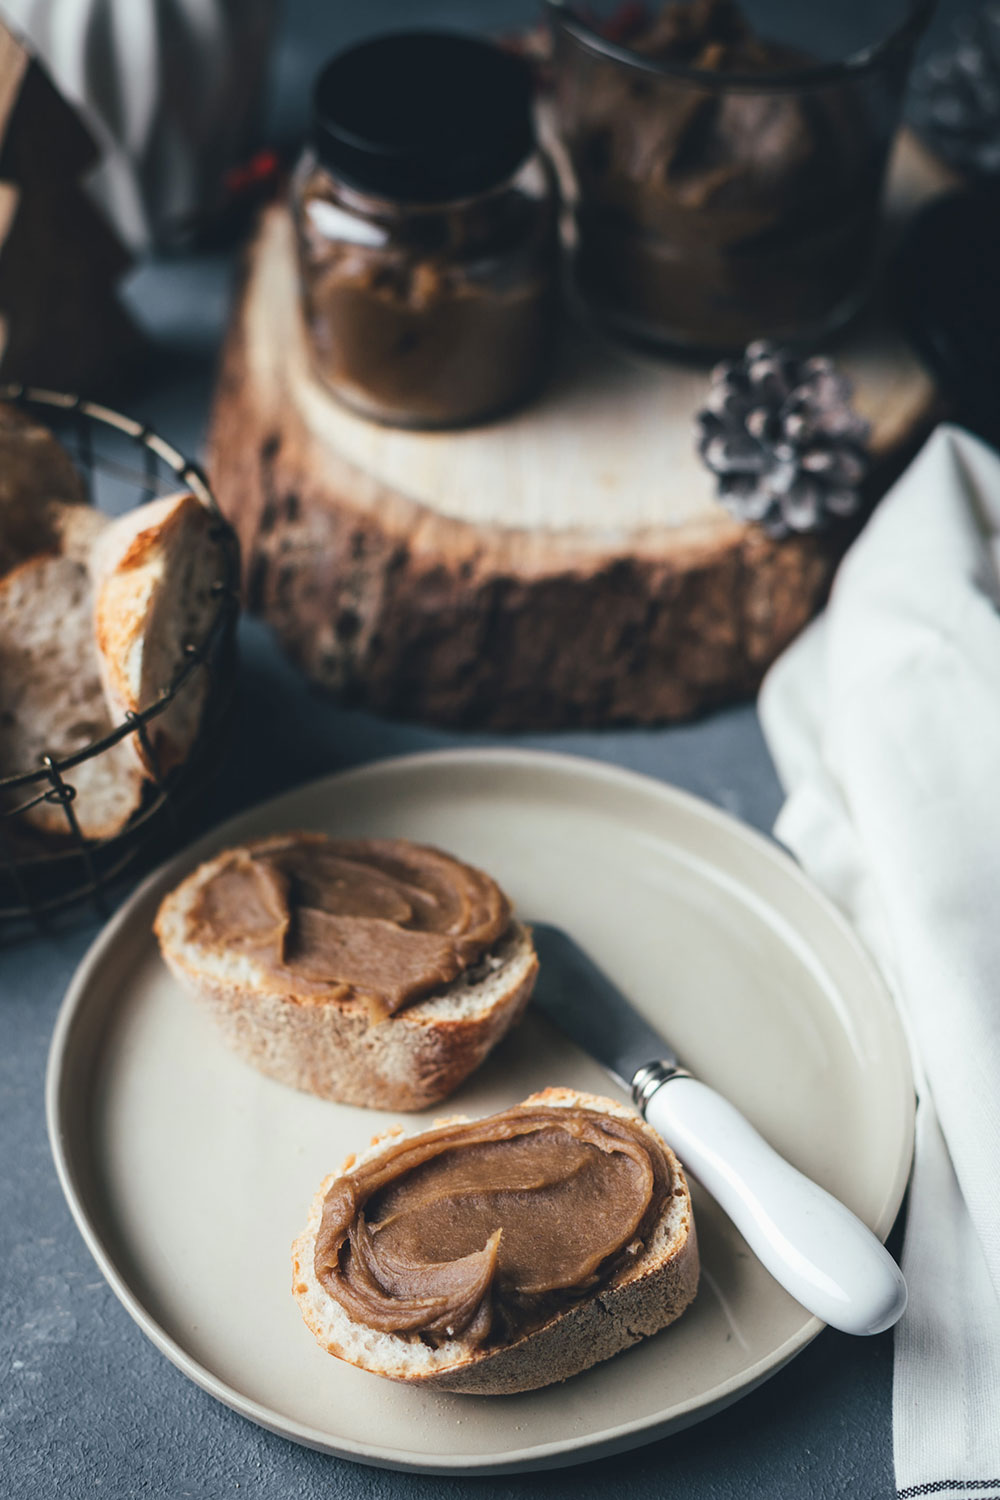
(87, 1405)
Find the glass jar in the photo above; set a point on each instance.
(426, 231)
(725, 162)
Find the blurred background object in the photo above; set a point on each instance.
(725, 162)
(61, 322)
(947, 289)
(955, 103)
(945, 275)
(169, 90)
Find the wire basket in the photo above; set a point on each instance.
(123, 463)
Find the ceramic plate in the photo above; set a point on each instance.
(189, 1174)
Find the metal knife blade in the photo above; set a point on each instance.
(582, 1001)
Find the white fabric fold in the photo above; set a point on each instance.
(884, 723)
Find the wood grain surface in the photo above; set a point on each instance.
(567, 564)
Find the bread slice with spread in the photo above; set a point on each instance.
(376, 972)
(503, 1255)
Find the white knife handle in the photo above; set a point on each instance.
(814, 1246)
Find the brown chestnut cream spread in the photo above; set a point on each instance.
(710, 215)
(444, 320)
(380, 920)
(426, 228)
(483, 1231)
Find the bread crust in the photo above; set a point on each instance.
(93, 618)
(409, 1061)
(153, 570)
(651, 1294)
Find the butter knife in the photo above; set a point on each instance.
(812, 1244)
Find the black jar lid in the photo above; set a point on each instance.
(423, 116)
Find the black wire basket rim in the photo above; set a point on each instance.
(141, 432)
(191, 475)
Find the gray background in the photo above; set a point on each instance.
(87, 1406)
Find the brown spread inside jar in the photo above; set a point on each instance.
(446, 318)
(426, 230)
(482, 1231)
(711, 215)
(381, 920)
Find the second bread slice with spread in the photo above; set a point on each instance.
(499, 1255)
(374, 972)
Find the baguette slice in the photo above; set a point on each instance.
(651, 1293)
(153, 572)
(330, 1047)
(51, 700)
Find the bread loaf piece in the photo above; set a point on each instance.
(74, 529)
(47, 528)
(330, 1045)
(51, 701)
(94, 619)
(154, 570)
(42, 496)
(651, 1291)
(33, 463)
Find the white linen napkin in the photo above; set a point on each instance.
(884, 722)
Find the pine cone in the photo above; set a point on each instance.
(955, 103)
(781, 437)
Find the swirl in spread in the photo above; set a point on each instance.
(482, 1231)
(380, 920)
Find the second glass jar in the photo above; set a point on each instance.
(725, 177)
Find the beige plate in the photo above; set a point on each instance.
(189, 1174)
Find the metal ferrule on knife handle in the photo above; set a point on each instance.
(649, 1078)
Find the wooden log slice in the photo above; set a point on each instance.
(565, 565)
